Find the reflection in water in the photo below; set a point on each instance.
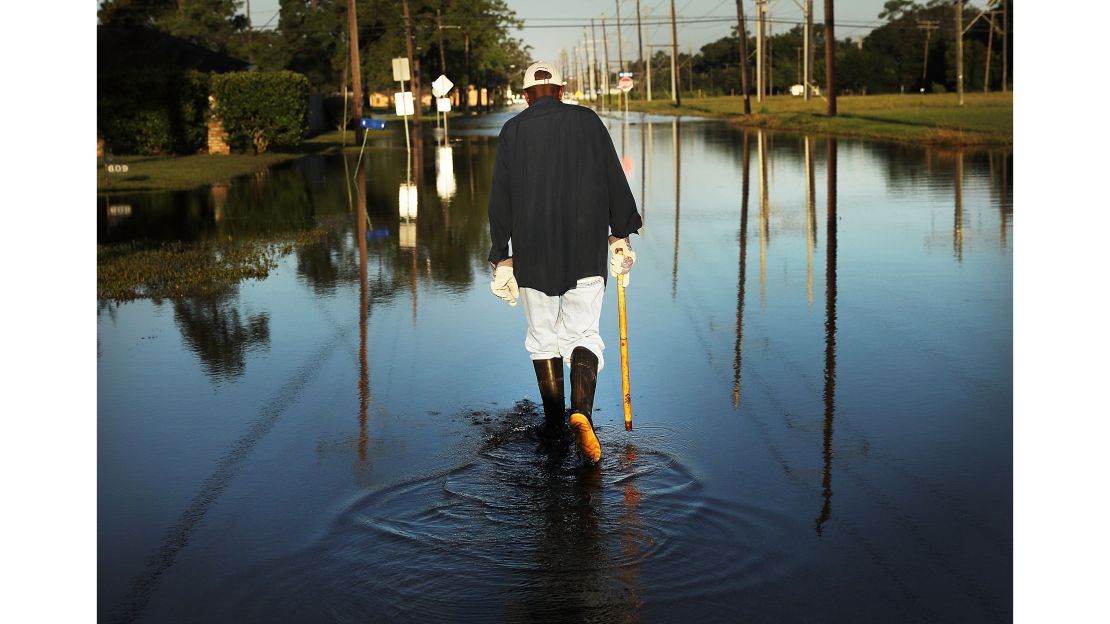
(958, 216)
(811, 219)
(830, 336)
(214, 329)
(635, 544)
(364, 395)
(676, 149)
(743, 271)
(764, 217)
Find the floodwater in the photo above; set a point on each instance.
(820, 338)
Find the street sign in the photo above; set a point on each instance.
(624, 74)
(400, 69)
(403, 102)
(441, 86)
(625, 84)
(372, 124)
(443, 105)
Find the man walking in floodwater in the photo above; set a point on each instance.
(560, 196)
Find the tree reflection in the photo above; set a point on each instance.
(214, 329)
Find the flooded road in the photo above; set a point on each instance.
(820, 336)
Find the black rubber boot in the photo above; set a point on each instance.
(583, 382)
(549, 375)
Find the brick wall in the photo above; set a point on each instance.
(217, 136)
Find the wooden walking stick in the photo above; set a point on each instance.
(624, 351)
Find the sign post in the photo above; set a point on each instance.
(625, 85)
(440, 88)
(403, 102)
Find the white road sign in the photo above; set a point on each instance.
(441, 86)
(403, 102)
(400, 69)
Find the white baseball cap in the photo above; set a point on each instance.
(530, 79)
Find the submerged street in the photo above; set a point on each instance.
(820, 337)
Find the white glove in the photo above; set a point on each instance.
(504, 284)
(621, 260)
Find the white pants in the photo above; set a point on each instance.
(558, 325)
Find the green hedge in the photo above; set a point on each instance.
(260, 109)
(147, 112)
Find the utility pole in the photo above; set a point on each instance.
(593, 47)
(574, 59)
(960, 49)
(990, 40)
(356, 67)
(591, 63)
(690, 54)
(928, 26)
(807, 73)
(466, 89)
(439, 32)
(742, 31)
(649, 61)
(620, 40)
(640, 35)
(605, 76)
(1005, 42)
(759, 66)
(830, 60)
(414, 79)
(676, 97)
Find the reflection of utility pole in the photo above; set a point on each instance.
(958, 216)
(676, 148)
(741, 274)
(811, 220)
(830, 338)
(650, 151)
(742, 31)
(356, 66)
(928, 26)
(764, 218)
(363, 315)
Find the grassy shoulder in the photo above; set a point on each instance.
(984, 119)
(171, 173)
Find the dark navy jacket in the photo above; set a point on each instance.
(558, 192)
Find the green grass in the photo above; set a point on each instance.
(984, 119)
(169, 173)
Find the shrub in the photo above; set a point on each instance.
(260, 109)
(152, 112)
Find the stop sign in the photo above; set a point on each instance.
(625, 84)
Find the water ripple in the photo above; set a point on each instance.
(526, 533)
